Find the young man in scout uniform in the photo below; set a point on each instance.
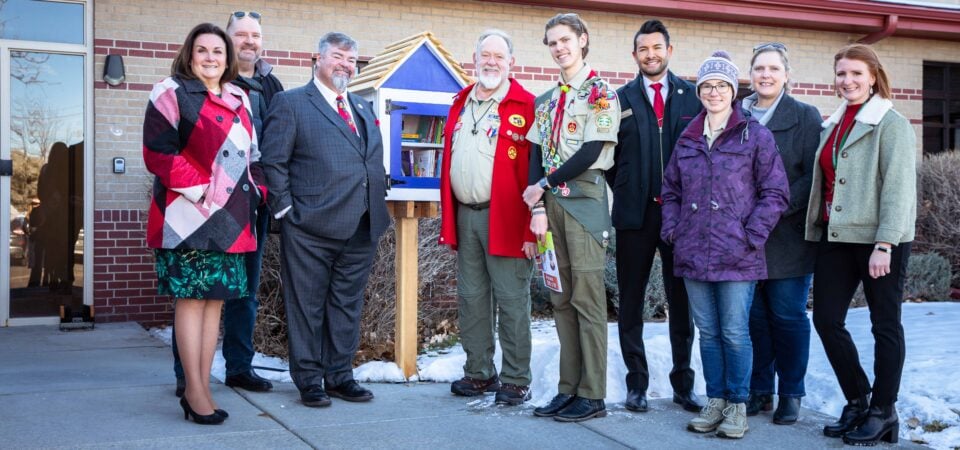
(485, 168)
(575, 129)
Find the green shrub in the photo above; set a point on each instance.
(938, 218)
(928, 277)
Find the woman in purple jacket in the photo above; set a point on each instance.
(723, 192)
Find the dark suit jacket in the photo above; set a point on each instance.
(636, 173)
(313, 162)
(796, 129)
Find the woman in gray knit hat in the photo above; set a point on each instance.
(723, 191)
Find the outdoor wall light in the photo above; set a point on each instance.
(113, 73)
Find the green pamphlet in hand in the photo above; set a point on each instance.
(547, 260)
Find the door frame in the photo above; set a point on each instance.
(85, 50)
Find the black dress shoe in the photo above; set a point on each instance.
(636, 401)
(314, 396)
(581, 409)
(551, 409)
(249, 381)
(881, 423)
(350, 391)
(181, 387)
(688, 400)
(854, 413)
(759, 402)
(788, 411)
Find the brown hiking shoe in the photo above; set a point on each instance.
(472, 387)
(513, 394)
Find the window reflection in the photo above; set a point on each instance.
(46, 190)
(30, 20)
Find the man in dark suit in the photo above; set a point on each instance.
(323, 161)
(655, 108)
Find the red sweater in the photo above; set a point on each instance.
(509, 216)
(827, 155)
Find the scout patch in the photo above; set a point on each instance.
(572, 127)
(512, 152)
(491, 132)
(517, 120)
(604, 122)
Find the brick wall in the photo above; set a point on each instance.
(124, 280)
(147, 34)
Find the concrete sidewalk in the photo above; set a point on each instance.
(113, 388)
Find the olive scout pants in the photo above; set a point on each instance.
(580, 311)
(486, 284)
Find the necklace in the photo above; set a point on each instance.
(476, 120)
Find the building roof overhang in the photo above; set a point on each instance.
(874, 19)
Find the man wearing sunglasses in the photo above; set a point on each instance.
(656, 108)
(240, 314)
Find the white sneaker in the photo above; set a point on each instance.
(734, 424)
(710, 416)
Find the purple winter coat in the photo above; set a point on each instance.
(719, 205)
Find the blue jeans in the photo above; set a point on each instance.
(721, 311)
(240, 314)
(780, 332)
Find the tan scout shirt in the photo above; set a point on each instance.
(471, 159)
(712, 134)
(582, 121)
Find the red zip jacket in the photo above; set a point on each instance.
(509, 216)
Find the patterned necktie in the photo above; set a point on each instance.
(342, 109)
(658, 103)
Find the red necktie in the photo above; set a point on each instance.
(658, 103)
(342, 109)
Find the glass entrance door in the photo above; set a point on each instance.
(44, 125)
(46, 189)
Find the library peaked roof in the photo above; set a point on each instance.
(386, 63)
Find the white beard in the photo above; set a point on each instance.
(490, 81)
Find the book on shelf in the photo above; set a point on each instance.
(424, 163)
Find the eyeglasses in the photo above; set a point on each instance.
(767, 45)
(237, 15)
(721, 88)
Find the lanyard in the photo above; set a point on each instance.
(842, 140)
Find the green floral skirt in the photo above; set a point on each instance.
(201, 274)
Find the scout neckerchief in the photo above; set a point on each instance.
(552, 146)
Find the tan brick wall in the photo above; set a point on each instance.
(294, 26)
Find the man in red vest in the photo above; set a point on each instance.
(484, 218)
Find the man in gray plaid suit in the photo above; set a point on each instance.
(323, 159)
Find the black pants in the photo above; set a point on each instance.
(840, 268)
(635, 252)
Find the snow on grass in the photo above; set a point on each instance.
(929, 391)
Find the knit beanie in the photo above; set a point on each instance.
(718, 66)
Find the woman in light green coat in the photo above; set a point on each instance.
(862, 211)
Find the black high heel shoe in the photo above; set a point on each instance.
(210, 419)
(221, 412)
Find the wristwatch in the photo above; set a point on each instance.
(887, 250)
(543, 183)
